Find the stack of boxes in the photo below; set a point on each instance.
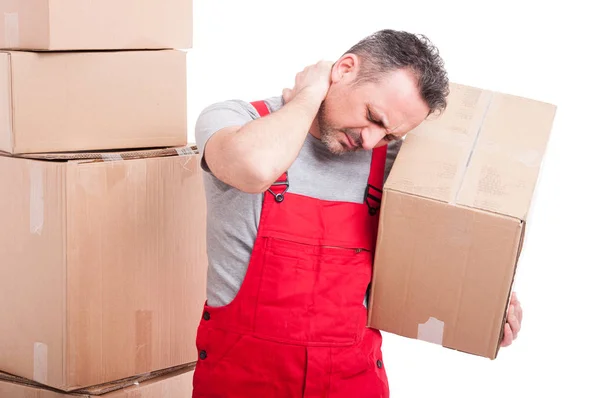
(102, 249)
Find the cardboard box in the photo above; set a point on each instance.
(89, 101)
(166, 384)
(103, 264)
(95, 25)
(453, 220)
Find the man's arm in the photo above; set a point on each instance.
(252, 156)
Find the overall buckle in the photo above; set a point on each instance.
(279, 196)
(373, 208)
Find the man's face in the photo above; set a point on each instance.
(365, 116)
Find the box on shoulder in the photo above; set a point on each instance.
(75, 25)
(103, 263)
(89, 101)
(453, 220)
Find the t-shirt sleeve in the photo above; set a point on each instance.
(218, 116)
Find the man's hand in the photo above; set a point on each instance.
(314, 80)
(252, 156)
(513, 324)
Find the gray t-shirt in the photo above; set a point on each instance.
(233, 216)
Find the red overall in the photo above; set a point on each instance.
(297, 327)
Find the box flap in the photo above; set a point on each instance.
(484, 152)
(132, 381)
(6, 131)
(175, 384)
(114, 386)
(21, 381)
(113, 155)
(32, 264)
(518, 255)
(438, 150)
(506, 159)
(135, 265)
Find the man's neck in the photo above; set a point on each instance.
(314, 130)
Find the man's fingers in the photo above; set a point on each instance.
(519, 313)
(514, 301)
(513, 322)
(287, 95)
(508, 336)
(327, 64)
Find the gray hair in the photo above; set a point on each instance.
(388, 50)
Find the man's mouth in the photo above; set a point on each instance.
(349, 142)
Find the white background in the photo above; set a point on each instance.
(252, 49)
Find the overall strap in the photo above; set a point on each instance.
(261, 107)
(374, 190)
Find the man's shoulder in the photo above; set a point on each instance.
(242, 108)
(274, 103)
(227, 113)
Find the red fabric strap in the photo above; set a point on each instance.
(378, 167)
(374, 191)
(261, 108)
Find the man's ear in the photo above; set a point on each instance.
(345, 68)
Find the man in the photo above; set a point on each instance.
(291, 231)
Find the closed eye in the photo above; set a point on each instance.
(371, 119)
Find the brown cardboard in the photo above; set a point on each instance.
(95, 25)
(88, 101)
(453, 218)
(103, 264)
(172, 383)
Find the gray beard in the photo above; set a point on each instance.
(328, 135)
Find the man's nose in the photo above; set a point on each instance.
(371, 137)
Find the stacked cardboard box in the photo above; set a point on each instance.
(95, 75)
(453, 220)
(102, 242)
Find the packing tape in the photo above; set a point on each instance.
(143, 341)
(431, 331)
(488, 98)
(111, 157)
(529, 158)
(184, 151)
(36, 198)
(40, 363)
(11, 29)
(6, 115)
